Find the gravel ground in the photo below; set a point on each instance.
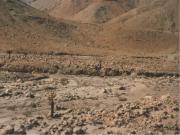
(88, 104)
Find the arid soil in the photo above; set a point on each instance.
(93, 102)
(90, 65)
(94, 27)
(112, 67)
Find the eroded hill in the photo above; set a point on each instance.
(25, 28)
(91, 27)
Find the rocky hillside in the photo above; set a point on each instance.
(25, 28)
(90, 27)
(151, 27)
(87, 11)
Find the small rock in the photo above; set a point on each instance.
(122, 88)
(19, 129)
(64, 81)
(18, 93)
(7, 130)
(79, 130)
(133, 132)
(158, 125)
(57, 114)
(1, 87)
(45, 132)
(68, 131)
(6, 93)
(57, 133)
(2, 126)
(19, 80)
(122, 98)
(39, 117)
(148, 97)
(59, 107)
(68, 110)
(118, 107)
(176, 109)
(165, 97)
(134, 75)
(29, 94)
(105, 91)
(32, 123)
(32, 104)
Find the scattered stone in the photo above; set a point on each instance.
(57, 114)
(68, 131)
(2, 126)
(45, 132)
(105, 91)
(19, 80)
(148, 113)
(122, 98)
(176, 108)
(122, 88)
(39, 117)
(133, 132)
(32, 104)
(158, 125)
(7, 130)
(19, 129)
(133, 75)
(118, 107)
(1, 87)
(148, 97)
(165, 97)
(64, 81)
(6, 93)
(29, 94)
(79, 130)
(32, 123)
(17, 93)
(59, 107)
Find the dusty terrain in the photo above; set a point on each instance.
(99, 97)
(113, 66)
(89, 65)
(130, 28)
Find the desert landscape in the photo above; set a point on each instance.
(89, 67)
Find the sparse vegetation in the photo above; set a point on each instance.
(9, 52)
(51, 96)
(89, 67)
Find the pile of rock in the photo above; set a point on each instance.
(13, 129)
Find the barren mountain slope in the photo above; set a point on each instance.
(59, 8)
(103, 11)
(87, 11)
(150, 28)
(25, 28)
(137, 28)
(14, 26)
(42, 4)
(159, 15)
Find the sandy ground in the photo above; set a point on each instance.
(119, 77)
(88, 104)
